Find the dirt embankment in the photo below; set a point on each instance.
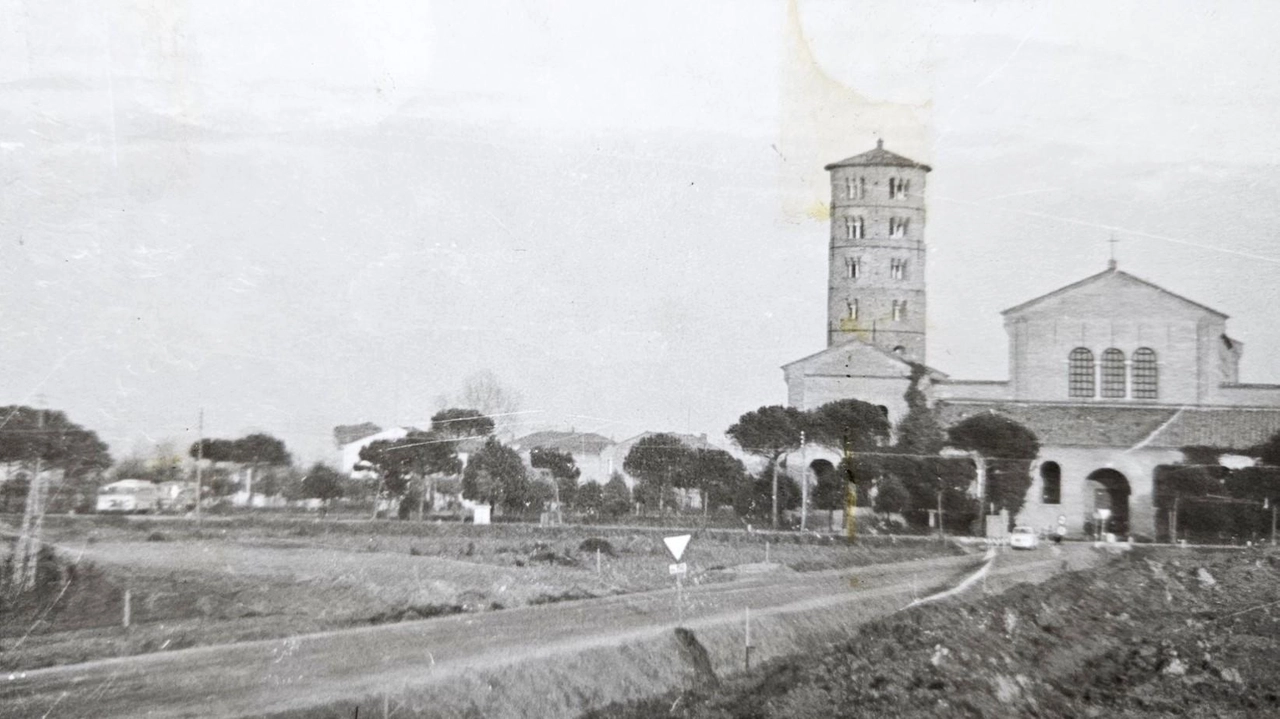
(1155, 634)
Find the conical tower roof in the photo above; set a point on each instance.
(879, 157)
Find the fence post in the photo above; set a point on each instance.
(127, 598)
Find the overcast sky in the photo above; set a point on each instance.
(297, 214)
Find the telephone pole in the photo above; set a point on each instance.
(804, 484)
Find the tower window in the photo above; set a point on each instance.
(898, 269)
(1146, 375)
(898, 226)
(854, 266)
(1080, 381)
(1113, 379)
(852, 306)
(853, 228)
(898, 188)
(855, 188)
(899, 310)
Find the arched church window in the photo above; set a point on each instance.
(1051, 483)
(1113, 379)
(1080, 373)
(852, 306)
(1146, 375)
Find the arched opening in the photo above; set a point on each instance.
(1110, 494)
(1051, 483)
(883, 410)
(828, 489)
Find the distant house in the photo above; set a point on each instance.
(689, 499)
(351, 450)
(591, 452)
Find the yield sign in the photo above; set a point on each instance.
(676, 544)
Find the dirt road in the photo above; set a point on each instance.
(262, 677)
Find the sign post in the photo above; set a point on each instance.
(676, 546)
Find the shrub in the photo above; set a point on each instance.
(594, 544)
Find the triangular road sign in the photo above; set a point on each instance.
(676, 545)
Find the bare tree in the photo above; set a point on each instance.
(483, 391)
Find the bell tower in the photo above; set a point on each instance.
(876, 289)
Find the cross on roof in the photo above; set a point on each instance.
(1113, 242)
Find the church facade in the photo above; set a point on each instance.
(1113, 373)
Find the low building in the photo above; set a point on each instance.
(591, 452)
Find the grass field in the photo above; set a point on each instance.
(243, 578)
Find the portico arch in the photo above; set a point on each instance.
(823, 493)
(1110, 491)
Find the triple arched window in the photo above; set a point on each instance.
(1138, 379)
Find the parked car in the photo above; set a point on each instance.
(1024, 538)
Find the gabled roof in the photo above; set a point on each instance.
(689, 440)
(572, 442)
(878, 156)
(1111, 273)
(853, 343)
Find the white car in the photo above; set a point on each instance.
(1024, 538)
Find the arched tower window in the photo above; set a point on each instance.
(1113, 379)
(1051, 481)
(1080, 373)
(1146, 375)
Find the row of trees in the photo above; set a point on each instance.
(1201, 497)
(907, 475)
(49, 454)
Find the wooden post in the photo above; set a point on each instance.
(597, 560)
(127, 607)
(746, 643)
(942, 534)
(1173, 522)
(766, 551)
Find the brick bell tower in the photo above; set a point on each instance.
(876, 290)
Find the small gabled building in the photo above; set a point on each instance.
(591, 452)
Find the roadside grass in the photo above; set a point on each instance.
(244, 578)
(550, 684)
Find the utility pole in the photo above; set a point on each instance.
(804, 484)
(850, 494)
(199, 468)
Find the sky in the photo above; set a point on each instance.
(298, 214)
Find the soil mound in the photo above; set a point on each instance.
(1152, 634)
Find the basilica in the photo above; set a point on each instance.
(1114, 374)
